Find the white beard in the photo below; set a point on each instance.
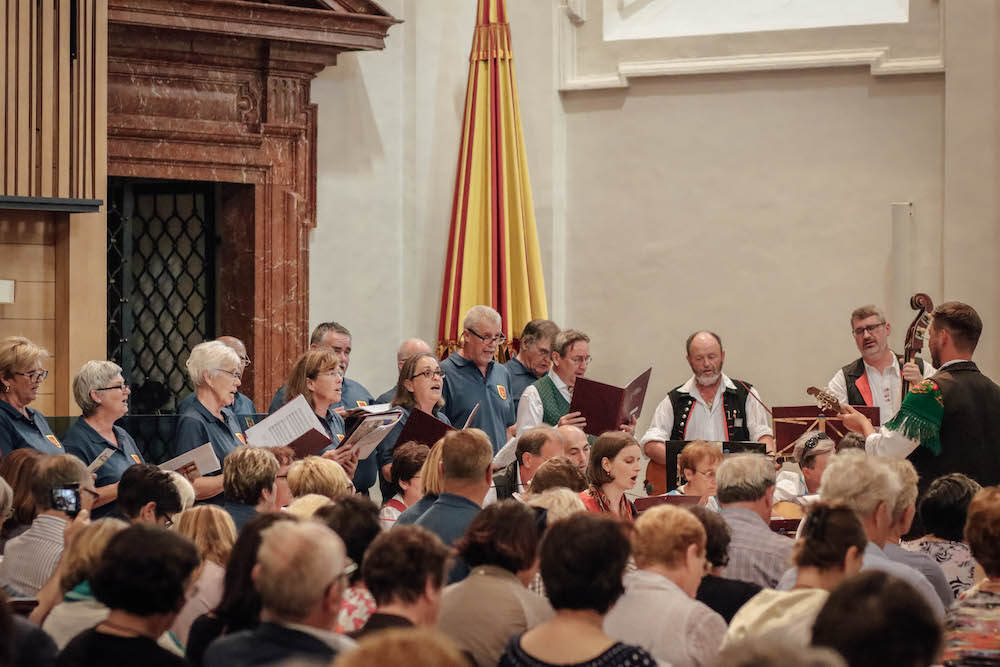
(708, 380)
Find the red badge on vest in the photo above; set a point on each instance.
(135, 457)
(362, 404)
(502, 390)
(54, 441)
(239, 436)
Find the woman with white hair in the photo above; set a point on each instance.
(215, 370)
(102, 394)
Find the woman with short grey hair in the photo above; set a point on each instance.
(216, 371)
(102, 393)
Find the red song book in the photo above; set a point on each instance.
(607, 407)
(422, 428)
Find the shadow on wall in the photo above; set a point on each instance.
(348, 141)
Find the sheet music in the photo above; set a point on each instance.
(101, 459)
(286, 425)
(203, 458)
(370, 432)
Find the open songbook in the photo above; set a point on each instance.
(367, 427)
(424, 429)
(196, 463)
(606, 407)
(294, 425)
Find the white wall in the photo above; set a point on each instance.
(757, 204)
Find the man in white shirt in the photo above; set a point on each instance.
(547, 400)
(876, 378)
(709, 406)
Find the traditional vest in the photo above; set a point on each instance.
(969, 428)
(858, 390)
(505, 482)
(734, 403)
(554, 406)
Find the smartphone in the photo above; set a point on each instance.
(66, 498)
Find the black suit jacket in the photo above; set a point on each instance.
(266, 644)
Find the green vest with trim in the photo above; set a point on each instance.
(554, 406)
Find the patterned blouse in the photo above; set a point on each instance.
(954, 558)
(619, 655)
(972, 634)
(355, 608)
(595, 500)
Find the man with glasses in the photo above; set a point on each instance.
(547, 400)
(147, 494)
(533, 359)
(473, 377)
(242, 405)
(709, 406)
(876, 378)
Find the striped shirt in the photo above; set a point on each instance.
(756, 553)
(30, 559)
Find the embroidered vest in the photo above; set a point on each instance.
(554, 406)
(854, 374)
(734, 403)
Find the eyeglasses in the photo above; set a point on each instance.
(339, 374)
(123, 386)
(429, 374)
(236, 374)
(860, 331)
(709, 474)
(580, 361)
(245, 361)
(814, 441)
(499, 339)
(168, 520)
(35, 376)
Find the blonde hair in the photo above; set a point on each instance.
(297, 561)
(247, 473)
(314, 474)
(430, 473)
(305, 506)
(211, 529)
(16, 354)
(80, 560)
(208, 357)
(308, 366)
(663, 534)
(416, 647)
(559, 501)
(860, 482)
(698, 452)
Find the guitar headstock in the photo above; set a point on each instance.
(825, 399)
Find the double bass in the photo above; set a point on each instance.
(916, 333)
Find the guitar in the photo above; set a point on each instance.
(826, 400)
(656, 478)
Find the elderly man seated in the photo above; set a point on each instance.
(534, 448)
(746, 492)
(867, 485)
(812, 451)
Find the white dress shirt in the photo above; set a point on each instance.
(892, 443)
(530, 410)
(704, 422)
(886, 386)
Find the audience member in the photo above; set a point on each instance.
(482, 612)
(306, 506)
(317, 376)
(32, 557)
(71, 607)
(408, 348)
(404, 646)
(583, 559)
(942, 513)
(355, 520)
(875, 619)
(829, 549)
(21, 376)
(534, 357)
(18, 469)
(698, 463)
(558, 472)
(147, 494)
(851, 440)
(282, 493)
(215, 371)
(577, 445)
(430, 480)
(534, 447)
(407, 462)
(249, 476)
(558, 503)
(142, 577)
(23, 642)
(615, 462)
(213, 533)
(756, 652)
(746, 492)
(973, 625)
(812, 451)
(242, 405)
(467, 472)
(903, 512)
(404, 570)
(315, 474)
(102, 394)
(184, 489)
(299, 575)
(724, 596)
(240, 605)
(473, 377)
(657, 611)
(6, 500)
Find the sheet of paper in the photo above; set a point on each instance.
(472, 415)
(200, 459)
(101, 459)
(370, 432)
(292, 421)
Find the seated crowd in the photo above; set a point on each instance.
(545, 560)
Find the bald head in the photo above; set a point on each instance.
(235, 343)
(577, 445)
(410, 347)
